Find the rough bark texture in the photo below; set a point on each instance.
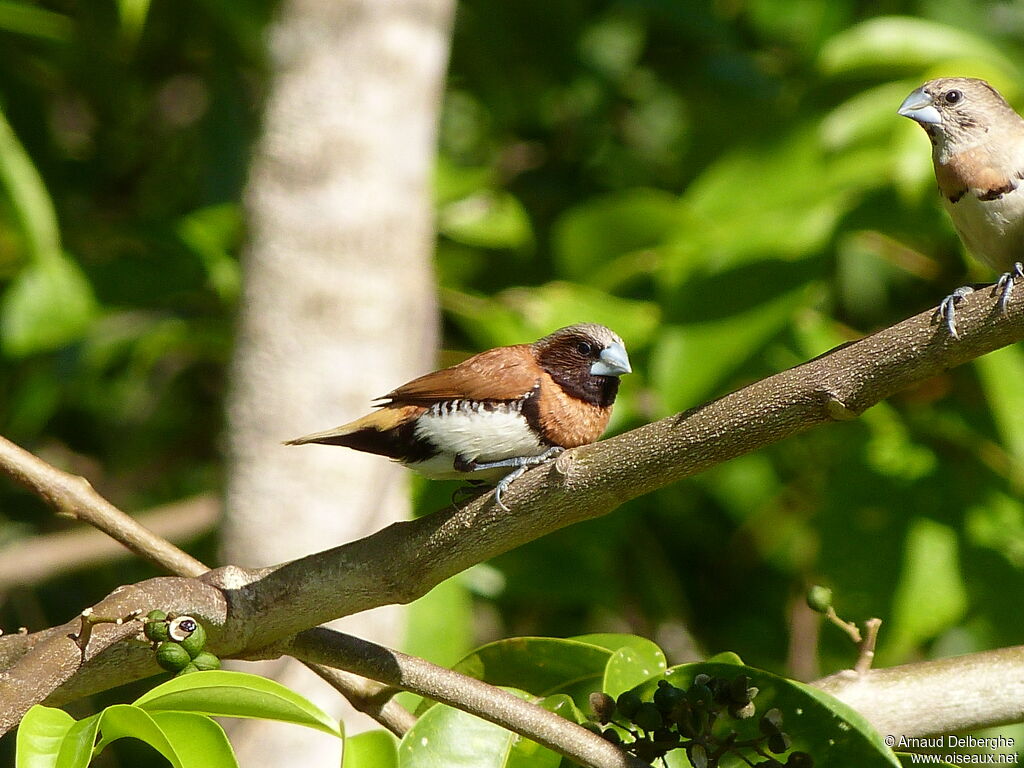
(339, 295)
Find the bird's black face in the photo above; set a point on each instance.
(586, 361)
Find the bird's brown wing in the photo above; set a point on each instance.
(505, 373)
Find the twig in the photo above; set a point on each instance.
(867, 648)
(33, 560)
(373, 699)
(326, 646)
(73, 495)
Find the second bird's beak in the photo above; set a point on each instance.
(613, 361)
(918, 106)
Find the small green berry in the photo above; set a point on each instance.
(155, 627)
(819, 598)
(205, 660)
(172, 656)
(188, 669)
(188, 632)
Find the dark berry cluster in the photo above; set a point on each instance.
(179, 643)
(696, 720)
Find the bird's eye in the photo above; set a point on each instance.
(584, 348)
(952, 97)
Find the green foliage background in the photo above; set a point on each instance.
(726, 184)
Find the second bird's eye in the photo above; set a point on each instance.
(584, 348)
(952, 97)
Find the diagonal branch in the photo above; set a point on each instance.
(405, 560)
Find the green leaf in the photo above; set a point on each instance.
(903, 42)
(563, 705)
(40, 735)
(34, 21)
(133, 18)
(931, 595)
(211, 233)
(539, 665)
(30, 201)
(690, 362)
(372, 749)
(454, 739)
(223, 693)
(199, 741)
(49, 304)
(1000, 373)
(826, 728)
(634, 660)
(591, 236)
(76, 750)
(122, 721)
(486, 219)
(725, 657)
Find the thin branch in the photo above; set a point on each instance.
(373, 699)
(33, 560)
(73, 496)
(493, 704)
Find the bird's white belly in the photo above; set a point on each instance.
(992, 230)
(474, 433)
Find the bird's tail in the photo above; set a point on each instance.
(374, 433)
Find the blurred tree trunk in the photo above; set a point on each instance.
(338, 301)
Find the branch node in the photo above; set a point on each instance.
(867, 648)
(837, 409)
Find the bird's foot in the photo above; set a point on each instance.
(1005, 285)
(947, 308)
(519, 465)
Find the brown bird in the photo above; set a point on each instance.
(493, 416)
(978, 154)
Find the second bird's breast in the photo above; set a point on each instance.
(992, 230)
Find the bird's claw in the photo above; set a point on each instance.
(1005, 285)
(520, 464)
(947, 308)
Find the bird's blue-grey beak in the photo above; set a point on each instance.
(613, 361)
(918, 106)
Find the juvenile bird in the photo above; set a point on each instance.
(978, 154)
(493, 416)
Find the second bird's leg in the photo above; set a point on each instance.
(519, 465)
(947, 308)
(1005, 284)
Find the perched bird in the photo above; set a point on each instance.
(493, 416)
(978, 154)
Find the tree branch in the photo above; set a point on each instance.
(259, 611)
(960, 693)
(30, 561)
(73, 496)
(410, 673)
